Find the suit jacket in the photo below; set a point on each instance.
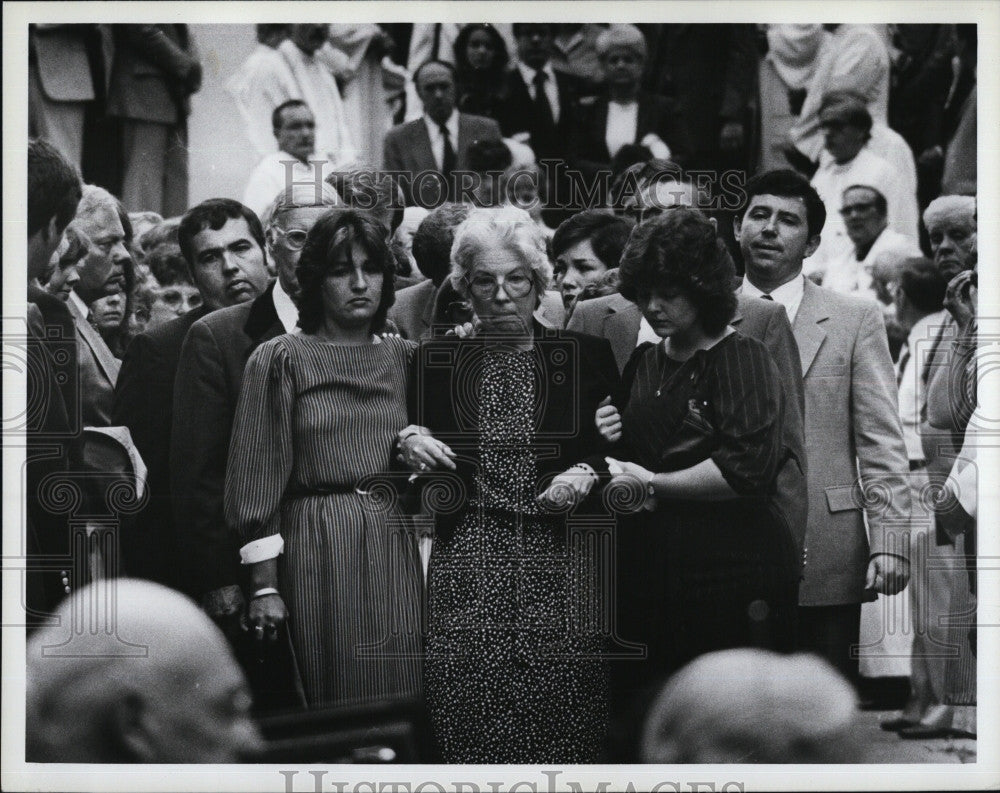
(155, 72)
(408, 150)
(98, 372)
(60, 52)
(587, 146)
(710, 71)
(617, 320)
(206, 390)
(514, 112)
(579, 372)
(144, 402)
(852, 426)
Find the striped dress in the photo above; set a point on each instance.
(315, 424)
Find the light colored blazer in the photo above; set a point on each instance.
(852, 426)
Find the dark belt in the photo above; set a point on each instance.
(319, 490)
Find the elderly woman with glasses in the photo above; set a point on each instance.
(625, 115)
(315, 426)
(504, 423)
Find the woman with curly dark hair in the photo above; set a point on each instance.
(710, 563)
(314, 433)
(480, 63)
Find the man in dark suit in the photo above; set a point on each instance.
(155, 71)
(54, 191)
(437, 143)
(144, 393)
(224, 242)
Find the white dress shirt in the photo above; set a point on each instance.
(909, 368)
(551, 88)
(271, 176)
(288, 314)
(788, 294)
(437, 139)
(623, 123)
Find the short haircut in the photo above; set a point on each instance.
(923, 284)
(165, 232)
(168, 265)
(680, 251)
(334, 233)
(786, 183)
(431, 62)
(215, 213)
(506, 227)
(433, 239)
(95, 197)
(947, 207)
(639, 175)
(881, 205)
(366, 189)
(525, 28)
(849, 108)
(489, 155)
(625, 36)
(607, 234)
(54, 187)
(276, 120)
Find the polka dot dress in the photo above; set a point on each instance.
(508, 677)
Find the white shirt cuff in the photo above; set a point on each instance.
(261, 550)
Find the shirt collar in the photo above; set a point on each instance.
(451, 124)
(789, 294)
(287, 313)
(529, 74)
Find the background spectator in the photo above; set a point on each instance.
(481, 60)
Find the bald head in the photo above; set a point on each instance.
(951, 229)
(157, 685)
(747, 705)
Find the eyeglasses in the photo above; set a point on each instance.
(485, 287)
(851, 209)
(294, 238)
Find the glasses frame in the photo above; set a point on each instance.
(502, 281)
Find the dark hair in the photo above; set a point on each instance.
(637, 177)
(434, 61)
(366, 190)
(168, 266)
(628, 155)
(607, 234)
(268, 32)
(214, 214)
(433, 238)
(488, 155)
(333, 233)
(786, 183)
(881, 205)
(77, 246)
(922, 283)
(462, 46)
(850, 107)
(54, 187)
(681, 251)
(276, 120)
(523, 28)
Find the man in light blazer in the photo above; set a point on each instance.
(438, 142)
(852, 420)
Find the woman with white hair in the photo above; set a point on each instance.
(513, 670)
(625, 114)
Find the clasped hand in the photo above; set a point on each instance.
(568, 488)
(421, 452)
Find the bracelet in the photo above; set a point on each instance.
(267, 590)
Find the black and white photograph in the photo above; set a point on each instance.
(469, 396)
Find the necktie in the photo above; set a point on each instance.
(545, 124)
(448, 157)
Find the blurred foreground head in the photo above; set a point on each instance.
(151, 680)
(753, 706)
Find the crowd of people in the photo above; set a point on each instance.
(629, 355)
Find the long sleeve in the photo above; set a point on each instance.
(878, 436)
(199, 445)
(260, 453)
(748, 414)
